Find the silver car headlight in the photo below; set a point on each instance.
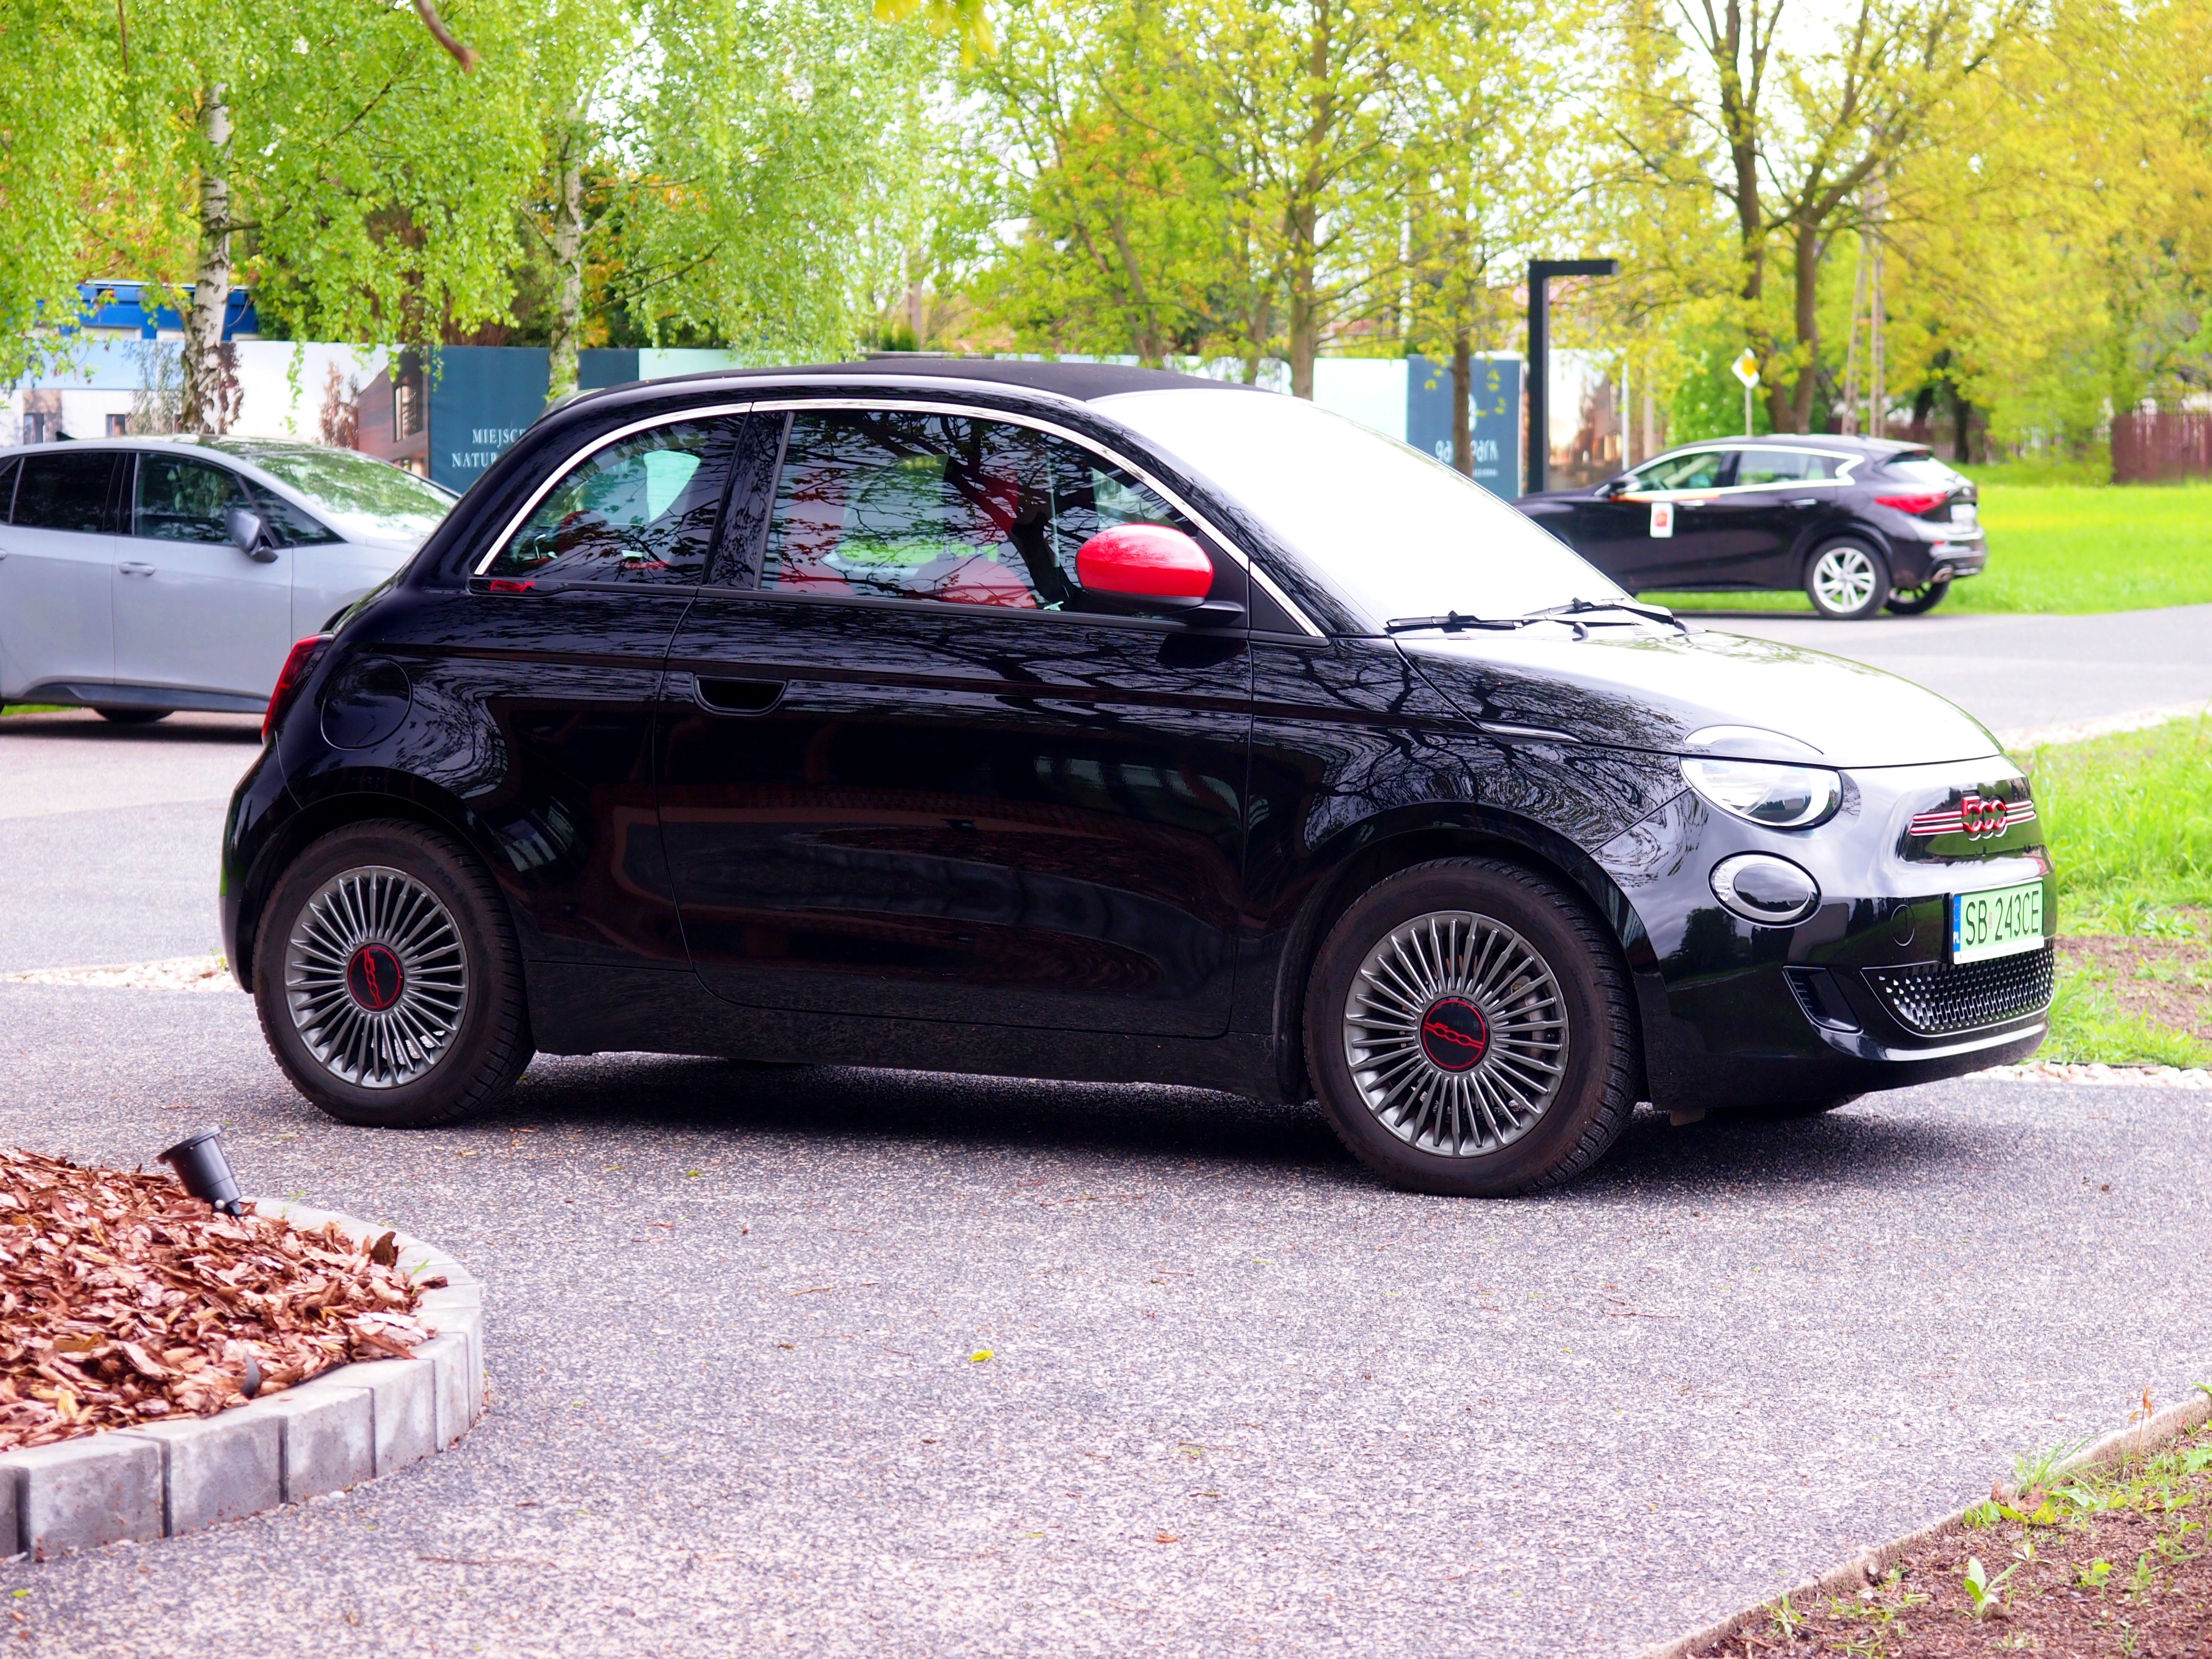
(1761, 791)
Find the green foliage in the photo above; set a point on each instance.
(2129, 822)
(1708, 400)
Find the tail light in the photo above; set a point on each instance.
(289, 678)
(1915, 505)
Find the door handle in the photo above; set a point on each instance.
(134, 568)
(740, 696)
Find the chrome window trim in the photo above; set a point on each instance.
(1017, 418)
(667, 417)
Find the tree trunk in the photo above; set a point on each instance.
(1462, 396)
(568, 262)
(1302, 213)
(1799, 407)
(202, 406)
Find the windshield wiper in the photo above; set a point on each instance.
(1453, 621)
(1584, 607)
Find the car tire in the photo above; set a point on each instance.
(133, 716)
(387, 979)
(1916, 601)
(1422, 965)
(1847, 580)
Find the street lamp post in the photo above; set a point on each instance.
(1541, 272)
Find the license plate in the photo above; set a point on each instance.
(2000, 922)
(1965, 513)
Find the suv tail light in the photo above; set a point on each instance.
(289, 678)
(1915, 505)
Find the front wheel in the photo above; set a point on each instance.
(1470, 1030)
(1916, 601)
(1847, 582)
(387, 980)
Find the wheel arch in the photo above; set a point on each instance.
(356, 798)
(1372, 852)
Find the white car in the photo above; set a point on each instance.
(140, 576)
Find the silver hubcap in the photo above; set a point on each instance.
(1456, 1034)
(1843, 578)
(376, 977)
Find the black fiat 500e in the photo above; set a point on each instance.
(1858, 522)
(1089, 722)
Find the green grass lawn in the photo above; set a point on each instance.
(2129, 827)
(2066, 548)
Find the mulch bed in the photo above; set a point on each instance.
(2109, 1561)
(125, 1301)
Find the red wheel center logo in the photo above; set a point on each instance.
(1453, 1034)
(373, 977)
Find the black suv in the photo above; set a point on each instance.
(1858, 522)
(1088, 722)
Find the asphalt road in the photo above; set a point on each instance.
(1240, 1397)
(2018, 674)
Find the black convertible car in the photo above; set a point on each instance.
(1088, 722)
(1858, 522)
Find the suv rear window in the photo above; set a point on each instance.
(1922, 468)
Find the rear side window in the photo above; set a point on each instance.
(9, 468)
(183, 500)
(903, 504)
(1701, 469)
(642, 509)
(1774, 466)
(65, 491)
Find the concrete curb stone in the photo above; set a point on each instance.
(346, 1425)
(1869, 1566)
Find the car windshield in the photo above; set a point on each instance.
(1399, 534)
(361, 496)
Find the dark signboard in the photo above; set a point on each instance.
(483, 397)
(1494, 419)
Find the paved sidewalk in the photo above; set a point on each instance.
(2017, 674)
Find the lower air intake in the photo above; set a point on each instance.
(1937, 999)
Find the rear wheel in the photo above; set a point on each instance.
(1914, 601)
(386, 972)
(1847, 582)
(1470, 1031)
(133, 716)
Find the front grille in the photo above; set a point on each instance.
(1936, 998)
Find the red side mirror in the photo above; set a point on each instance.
(1151, 562)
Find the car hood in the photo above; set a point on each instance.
(1652, 691)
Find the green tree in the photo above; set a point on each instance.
(339, 156)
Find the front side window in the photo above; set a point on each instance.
(66, 491)
(1783, 466)
(903, 504)
(288, 526)
(642, 509)
(1701, 469)
(181, 500)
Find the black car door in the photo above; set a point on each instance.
(1642, 537)
(1779, 494)
(911, 771)
(568, 620)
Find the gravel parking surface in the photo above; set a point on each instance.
(1239, 1397)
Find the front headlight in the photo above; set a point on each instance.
(1761, 791)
